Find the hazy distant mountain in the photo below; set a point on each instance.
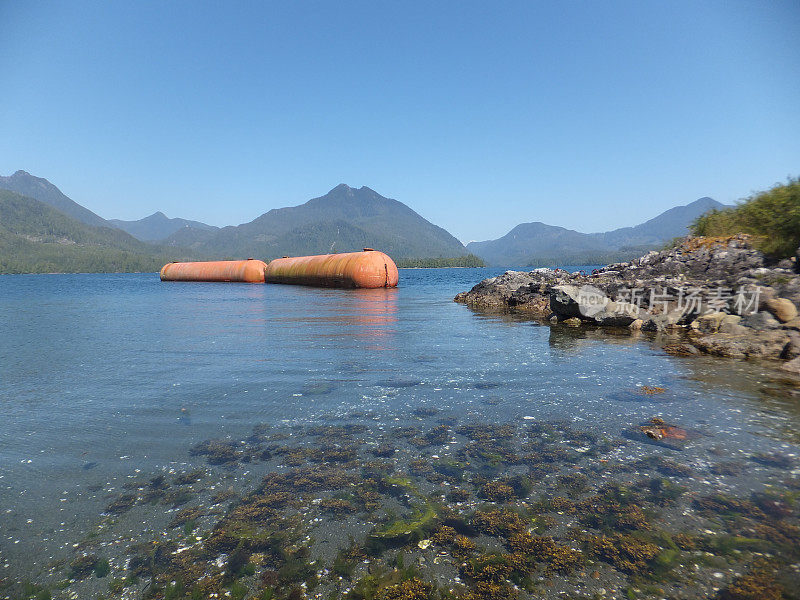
(37, 238)
(42, 190)
(189, 237)
(345, 219)
(150, 229)
(529, 241)
(158, 226)
(540, 244)
(669, 224)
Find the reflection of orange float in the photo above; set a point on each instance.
(367, 269)
(246, 271)
(373, 312)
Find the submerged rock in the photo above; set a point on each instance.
(658, 430)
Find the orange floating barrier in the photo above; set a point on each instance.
(367, 269)
(246, 271)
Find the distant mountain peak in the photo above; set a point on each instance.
(42, 190)
(343, 188)
(345, 219)
(705, 201)
(158, 226)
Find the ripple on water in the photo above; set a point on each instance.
(397, 383)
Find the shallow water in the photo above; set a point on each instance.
(106, 378)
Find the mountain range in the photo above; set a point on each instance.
(55, 233)
(42, 230)
(158, 226)
(538, 244)
(342, 220)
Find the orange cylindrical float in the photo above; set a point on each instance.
(246, 271)
(367, 269)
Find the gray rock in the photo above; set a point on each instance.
(755, 344)
(730, 324)
(793, 366)
(708, 323)
(760, 320)
(573, 301)
(792, 349)
(681, 349)
(677, 316)
(564, 301)
(590, 304)
(655, 323)
(620, 314)
(793, 324)
(496, 291)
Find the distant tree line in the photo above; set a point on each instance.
(74, 258)
(470, 260)
(585, 258)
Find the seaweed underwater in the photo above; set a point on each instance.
(441, 510)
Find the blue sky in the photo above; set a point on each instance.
(589, 115)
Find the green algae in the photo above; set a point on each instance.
(412, 527)
(396, 584)
(500, 547)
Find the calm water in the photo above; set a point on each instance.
(104, 376)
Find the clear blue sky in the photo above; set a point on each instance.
(589, 115)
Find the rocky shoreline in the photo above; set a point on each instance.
(717, 296)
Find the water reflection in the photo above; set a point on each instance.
(373, 313)
(574, 339)
(367, 314)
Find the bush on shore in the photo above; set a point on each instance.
(772, 217)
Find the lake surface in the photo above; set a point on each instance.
(110, 378)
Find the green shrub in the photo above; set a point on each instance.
(773, 217)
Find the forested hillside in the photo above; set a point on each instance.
(37, 238)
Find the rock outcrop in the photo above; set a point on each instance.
(721, 294)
